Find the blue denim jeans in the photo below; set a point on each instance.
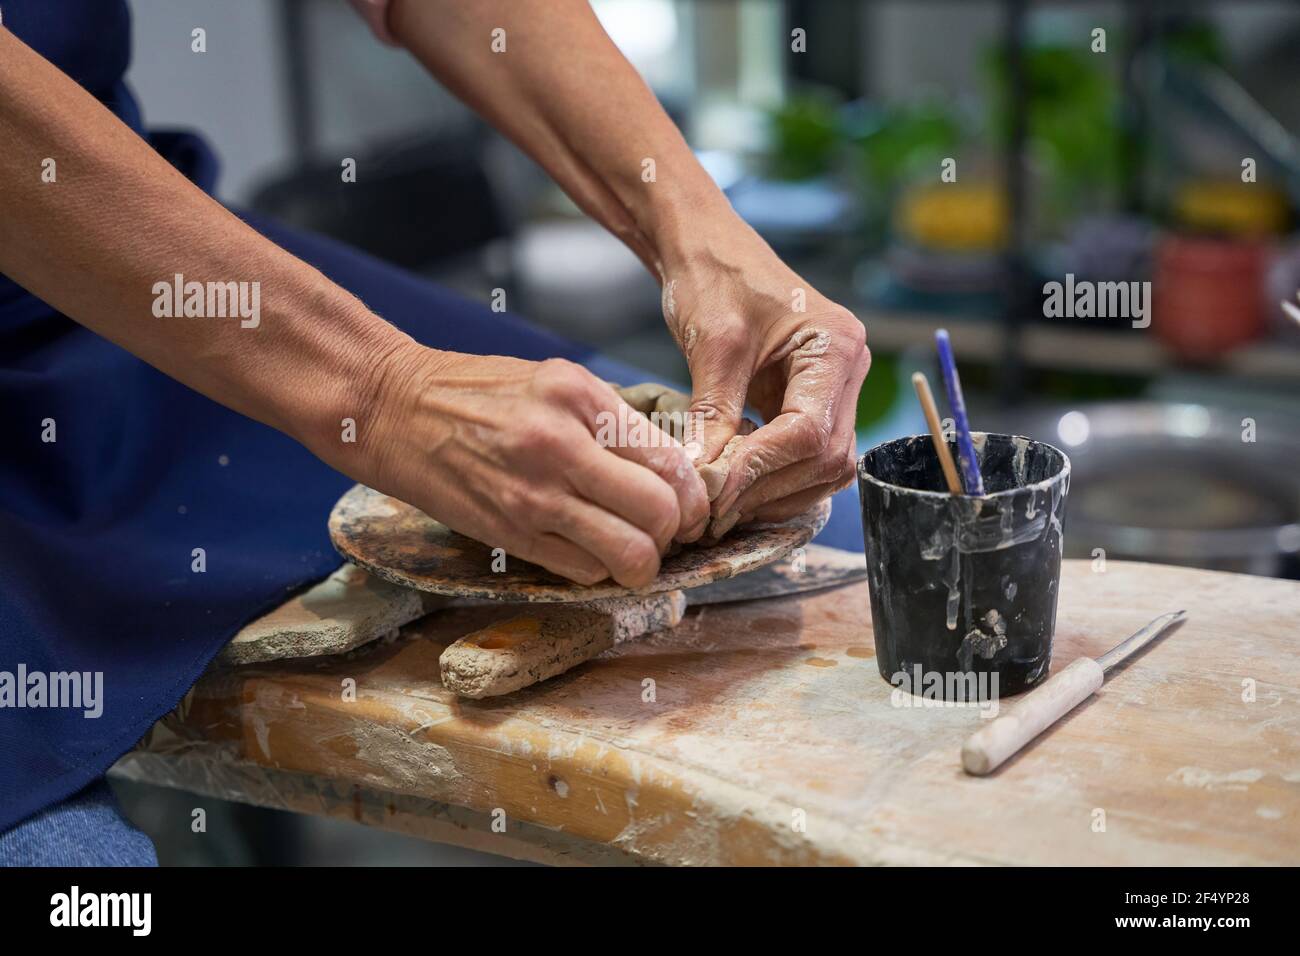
(87, 829)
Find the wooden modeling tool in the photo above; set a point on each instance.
(923, 393)
(970, 468)
(991, 746)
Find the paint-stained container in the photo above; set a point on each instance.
(963, 589)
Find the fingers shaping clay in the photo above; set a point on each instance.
(715, 475)
(650, 398)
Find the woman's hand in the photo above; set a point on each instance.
(507, 452)
(755, 333)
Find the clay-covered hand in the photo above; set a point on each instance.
(754, 332)
(670, 410)
(529, 457)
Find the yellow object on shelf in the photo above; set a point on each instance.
(954, 217)
(1231, 208)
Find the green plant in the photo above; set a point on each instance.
(805, 134)
(879, 392)
(906, 137)
(1072, 112)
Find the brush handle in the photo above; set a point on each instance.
(970, 469)
(923, 394)
(989, 747)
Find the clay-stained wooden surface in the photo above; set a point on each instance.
(772, 738)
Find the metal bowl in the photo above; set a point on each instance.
(1179, 484)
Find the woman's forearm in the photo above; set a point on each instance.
(98, 225)
(563, 92)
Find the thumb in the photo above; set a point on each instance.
(719, 383)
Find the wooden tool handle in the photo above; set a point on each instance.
(550, 639)
(990, 746)
(926, 397)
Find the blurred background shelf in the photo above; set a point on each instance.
(1102, 351)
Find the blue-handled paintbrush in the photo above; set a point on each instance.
(966, 460)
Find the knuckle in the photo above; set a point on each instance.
(548, 510)
(725, 344)
(853, 343)
(539, 439)
(533, 434)
(563, 382)
(536, 512)
(837, 462)
(829, 467)
(531, 440)
(848, 336)
(809, 436)
(849, 465)
(510, 500)
(833, 471)
(709, 408)
(855, 333)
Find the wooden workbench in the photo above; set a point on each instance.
(762, 733)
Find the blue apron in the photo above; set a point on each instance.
(98, 526)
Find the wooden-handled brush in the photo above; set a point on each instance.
(926, 397)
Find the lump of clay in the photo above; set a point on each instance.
(715, 472)
(649, 398)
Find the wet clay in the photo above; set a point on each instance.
(650, 398)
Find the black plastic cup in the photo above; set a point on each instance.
(963, 590)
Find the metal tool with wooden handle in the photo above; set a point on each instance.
(991, 746)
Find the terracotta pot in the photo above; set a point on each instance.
(1208, 294)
